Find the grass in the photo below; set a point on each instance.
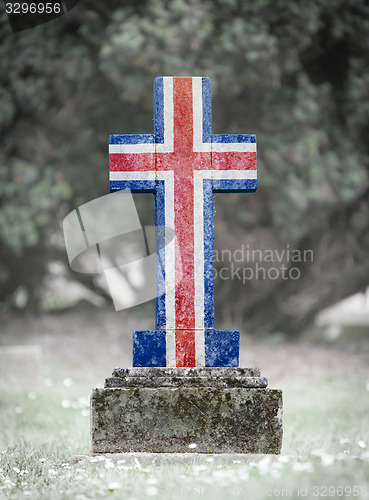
(325, 451)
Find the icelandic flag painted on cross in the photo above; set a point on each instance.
(183, 163)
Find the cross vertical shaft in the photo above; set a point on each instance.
(183, 163)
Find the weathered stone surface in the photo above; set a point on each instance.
(165, 419)
(186, 372)
(186, 377)
(252, 382)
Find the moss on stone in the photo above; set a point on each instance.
(218, 420)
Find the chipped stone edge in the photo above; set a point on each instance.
(192, 381)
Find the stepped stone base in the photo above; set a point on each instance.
(169, 410)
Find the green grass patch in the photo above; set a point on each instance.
(325, 451)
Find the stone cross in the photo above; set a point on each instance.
(183, 163)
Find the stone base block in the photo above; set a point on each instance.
(216, 417)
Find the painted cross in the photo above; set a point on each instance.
(183, 164)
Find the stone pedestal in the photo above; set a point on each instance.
(165, 410)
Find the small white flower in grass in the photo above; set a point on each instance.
(341, 456)
(192, 446)
(24, 483)
(277, 465)
(210, 459)
(26, 492)
(18, 410)
(67, 382)
(276, 474)
(284, 459)
(114, 485)
(218, 473)
(42, 460)
(344, 440)
(52, 472)
(264, 464)
(65, 403)
(94, 459)
(318, 453)
(122, 461)
(83, 401)
(85, 413)
(361, 444)
(152, 480)
(48, 382)
(109, 465)
(199, 467)
(15, 469)
(32, 396)
(243, 473)
(303, 467)
(225, 474)
(152, 491)
(327, 460)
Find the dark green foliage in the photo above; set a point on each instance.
(294, 73)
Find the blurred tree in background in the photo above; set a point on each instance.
(294, 73)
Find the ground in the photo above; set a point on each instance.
(88, 342)
(42, 427)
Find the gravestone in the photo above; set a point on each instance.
(185, 388)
